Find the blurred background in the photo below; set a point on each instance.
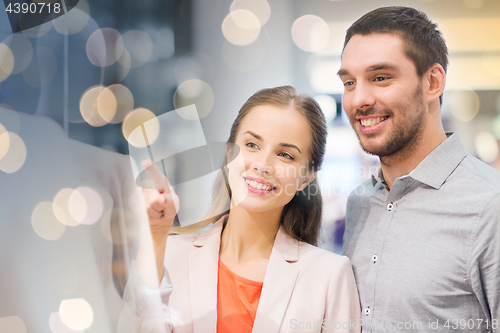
(108, 65)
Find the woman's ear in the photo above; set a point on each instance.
(435, 81)
(309, 178)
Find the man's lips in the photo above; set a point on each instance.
(371, 124)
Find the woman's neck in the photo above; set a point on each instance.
(248, 236)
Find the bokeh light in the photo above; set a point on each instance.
(125, 62)
(45, 223)
(13, 324)
(136, 118)
(77, 206)
(22, 51)
(57, 325)
(194, 92)
(260, 8)
(114, 102)
(106, 104)
(73, 21)
(42, 68)
(139, 45)
(88, 107)
(93, 203)
(15, 156)
(104, 47)
(241, 27)
(486, 147)
(243, 58)
(61, 206)
(464, 104)
(310, 33)
(328, 105)
(6, 62)
(4, 141)
(76, 313)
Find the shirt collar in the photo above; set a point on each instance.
(437, 166)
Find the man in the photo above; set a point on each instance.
(423, 234)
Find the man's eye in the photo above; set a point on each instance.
(381, 78)
(252, 145)
(348, 83)
(286, 155)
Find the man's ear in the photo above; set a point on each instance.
(309, 178)
(434, 83)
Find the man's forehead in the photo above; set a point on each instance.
(373, 50)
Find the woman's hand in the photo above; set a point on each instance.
(162, 205)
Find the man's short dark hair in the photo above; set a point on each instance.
(424, 43)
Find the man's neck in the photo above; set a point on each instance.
(406, 160)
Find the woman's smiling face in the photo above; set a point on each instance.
(274, 159)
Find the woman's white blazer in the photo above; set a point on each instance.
(306, 289)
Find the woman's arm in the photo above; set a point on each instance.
(343, 306)
(162, 205)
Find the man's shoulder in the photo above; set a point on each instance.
(477, 175)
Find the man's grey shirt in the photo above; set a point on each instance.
(427, 252)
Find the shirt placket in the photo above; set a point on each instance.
(390, 201)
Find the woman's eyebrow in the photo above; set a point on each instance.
(258, 137)
(289, 145)
(283, 144)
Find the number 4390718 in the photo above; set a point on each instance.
(33, 8)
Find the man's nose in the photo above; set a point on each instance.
(363, 96)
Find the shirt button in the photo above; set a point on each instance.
(375, 258)
(367, 311)
(390, 206)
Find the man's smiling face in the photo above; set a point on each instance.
(383, 95)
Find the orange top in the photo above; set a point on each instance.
(237, 301)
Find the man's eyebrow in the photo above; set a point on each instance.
(373, 68)
(342, 72)
(283, 144)
(382, 66)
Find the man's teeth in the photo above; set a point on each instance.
(259, 186)
(372, 121)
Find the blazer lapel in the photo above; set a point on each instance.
(279, 282)
(203, 269)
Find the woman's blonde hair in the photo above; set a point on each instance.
(301, 217)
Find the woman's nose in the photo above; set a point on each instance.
(263, 165)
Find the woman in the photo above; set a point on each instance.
(257, 269)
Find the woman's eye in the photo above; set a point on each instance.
(252, 145)
(286, 155)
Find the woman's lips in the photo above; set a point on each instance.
(259, 186)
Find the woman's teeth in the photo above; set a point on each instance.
(258, 186)
(372, 121)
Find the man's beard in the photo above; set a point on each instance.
(405, 136)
